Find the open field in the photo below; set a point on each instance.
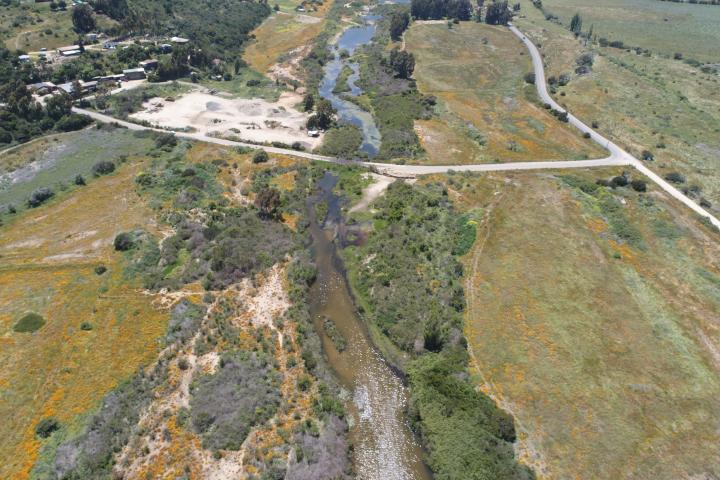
(55, 161)
(593, 319)
(487, 111)
(663, 27)
(30, 27)
(251, 120)
(283, 39)
(643, 103)
(49, 256)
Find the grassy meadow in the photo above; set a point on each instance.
(49, 258)
(592, 317)
(487, 112)
(642, 102)
(663, 27)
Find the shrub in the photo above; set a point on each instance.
(40, 196)
(124, 241)
(647, 156)
(73, 122)
(243, 393)
(183, 364)
(260, 156)
(79, 180)
(166, 140)
(675, 177)
(29, 323)
(530, 78)
(639, 185)
(46, 427)
(587, 135)
(86, 326)
(103, 167)
(619, 181)
(100, 269)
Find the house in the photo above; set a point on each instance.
(89, 86)
(91, 37)
(71, 53)
(42, 88)
(165, 48)
(70, 48)
(134, 74)
(150, 64)
(179, 40)
(313, 133)
(24, 58)
(68, 88)
(110, 45)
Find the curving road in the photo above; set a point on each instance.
(618, 156)
(616, 153)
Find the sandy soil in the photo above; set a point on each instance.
(373, 191)
(252, 120)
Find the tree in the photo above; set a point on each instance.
(83, 19)
(267, 203)
(398, 24)
(402, 63)
(323, 117)
(576, 24)
(308, 102)
(530, 78)
(498, 13)
(58, 106)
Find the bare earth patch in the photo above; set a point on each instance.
(253, 120)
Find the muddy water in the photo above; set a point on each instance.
(385, 447)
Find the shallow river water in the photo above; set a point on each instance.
(385, 447)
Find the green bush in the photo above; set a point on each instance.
(29, 323)
(124, 241)
(40, 196)
(103, 167)
(46, 427)
(260, 156)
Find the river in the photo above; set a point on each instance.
(385, 448)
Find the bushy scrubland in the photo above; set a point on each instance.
(408, 280)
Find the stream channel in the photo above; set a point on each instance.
(385, 447)
(348, 112)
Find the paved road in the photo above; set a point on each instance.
(618, 156)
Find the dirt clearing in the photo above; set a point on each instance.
(252, 120)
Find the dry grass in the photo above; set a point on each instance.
(476, 71)
(606, 354)
(282, 37)
(49, 255)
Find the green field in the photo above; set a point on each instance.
(641, 102)
(55, 161)
(663, 27)
(593, 319)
